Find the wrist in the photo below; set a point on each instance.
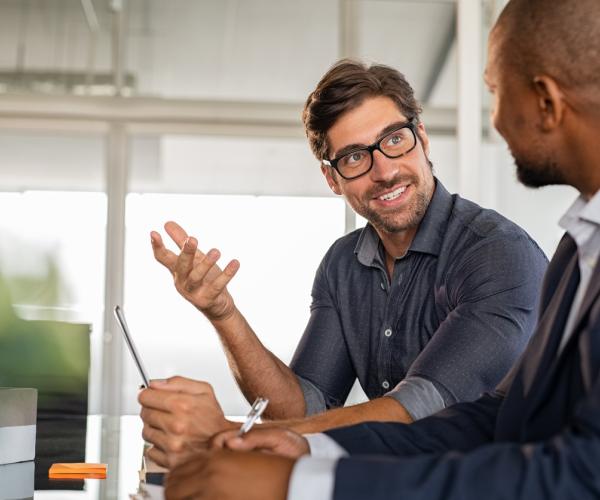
(223, 316)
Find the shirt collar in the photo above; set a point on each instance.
(429, 236)
(582, 211)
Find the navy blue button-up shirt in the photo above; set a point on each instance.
(447, 326)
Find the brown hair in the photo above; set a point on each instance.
(344, 87)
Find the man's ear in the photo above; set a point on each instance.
(424, 138)
(331, 179)
(550, 102)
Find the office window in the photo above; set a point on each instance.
(52, 246)
(278, 239)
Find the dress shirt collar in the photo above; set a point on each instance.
(429, 236)
(582, 219)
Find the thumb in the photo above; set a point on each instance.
(262, 439)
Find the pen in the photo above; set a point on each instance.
(258, 407)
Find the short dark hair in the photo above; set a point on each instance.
(343, 88)
(560, 38)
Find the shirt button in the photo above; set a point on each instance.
(385, 384)
(382, 284)
(388, 332)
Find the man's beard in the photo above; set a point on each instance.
(537, 174)
(388, 222)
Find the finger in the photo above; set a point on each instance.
(155, 418)
(264, 439)
(158, 456)
(161, 253)
(156, 437)
(218, 440)
(185, 261)
(153, 398)
(201, 268)
(223, 279)
(176, 232)
(182, 384)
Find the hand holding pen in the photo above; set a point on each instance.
(258, 407)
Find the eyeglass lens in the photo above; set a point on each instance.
(392, 145)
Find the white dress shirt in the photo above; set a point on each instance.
(582, 222)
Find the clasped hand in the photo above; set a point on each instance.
(180, 415)
(231, 471)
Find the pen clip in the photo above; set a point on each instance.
(257, 409)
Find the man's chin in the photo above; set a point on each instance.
(534, 177)
(528, 180)
(392, 225)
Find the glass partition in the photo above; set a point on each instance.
(52, 248)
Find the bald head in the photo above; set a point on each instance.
(558, 38)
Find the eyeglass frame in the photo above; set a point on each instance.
(376, 146)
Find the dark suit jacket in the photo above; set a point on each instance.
(536, 437)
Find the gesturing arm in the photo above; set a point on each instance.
(200, 281)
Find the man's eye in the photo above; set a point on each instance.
(394, 140)
(354, 158)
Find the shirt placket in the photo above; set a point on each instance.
(386, 330)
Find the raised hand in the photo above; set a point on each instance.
(196, 275)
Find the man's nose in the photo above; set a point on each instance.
(383, 168)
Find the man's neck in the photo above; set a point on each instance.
(396, 245)
(585, 156)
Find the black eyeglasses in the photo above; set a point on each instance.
(394, 145)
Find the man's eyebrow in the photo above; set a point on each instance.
(391, 127)
(349, 148)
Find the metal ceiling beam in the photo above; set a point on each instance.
(158, 115)
(118, 43)
(92, 21)
(469, 98)
(441, 58)
(348, 29)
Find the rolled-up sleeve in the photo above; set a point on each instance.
(314, 399)
(419, 397)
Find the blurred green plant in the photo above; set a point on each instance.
(52, 356)
(47, 289)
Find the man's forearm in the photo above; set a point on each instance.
(257, 371)
(382, 409)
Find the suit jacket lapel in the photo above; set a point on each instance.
(541, 351)
(585, 340)
(589, 298)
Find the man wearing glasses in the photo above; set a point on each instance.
(428, 305)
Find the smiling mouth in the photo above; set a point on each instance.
(393, 194)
